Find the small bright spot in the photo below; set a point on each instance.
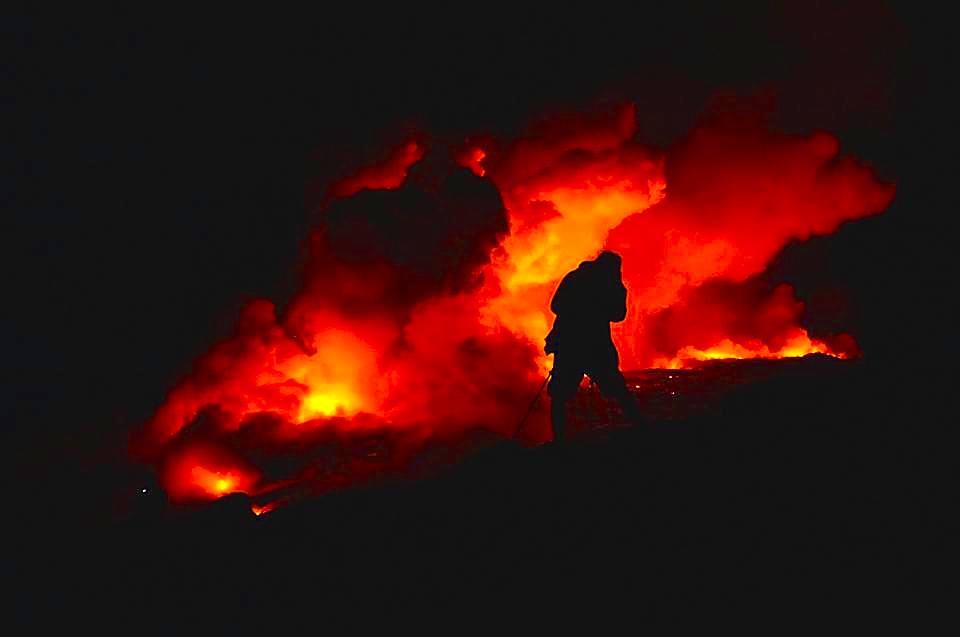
(143, 490)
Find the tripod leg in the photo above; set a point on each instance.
(533, 404)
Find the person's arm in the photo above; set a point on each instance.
(618, 300)
(559, 302)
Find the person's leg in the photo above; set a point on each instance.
(562, 388)
(558, 418)
(613, 385)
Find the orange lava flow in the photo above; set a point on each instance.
(799, 344)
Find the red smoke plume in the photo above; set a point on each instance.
(737, 194)
(425, 298)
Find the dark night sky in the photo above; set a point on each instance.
(154, 166)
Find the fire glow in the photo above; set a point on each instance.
(426, 296)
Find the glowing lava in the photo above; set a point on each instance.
(798, 344)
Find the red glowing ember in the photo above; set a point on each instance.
(426, 297)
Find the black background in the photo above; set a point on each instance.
(154, 167)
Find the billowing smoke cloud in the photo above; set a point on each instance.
(725, 319)
(384, 250)
(738, 192)
(425, 297)
(383, 340)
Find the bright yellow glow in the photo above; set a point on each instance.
(214, 482)
(329, 401)
(336, 379)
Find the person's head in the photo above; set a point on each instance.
(609, 262)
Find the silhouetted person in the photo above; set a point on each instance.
(586, 302)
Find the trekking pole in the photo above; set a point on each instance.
(533, 404)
